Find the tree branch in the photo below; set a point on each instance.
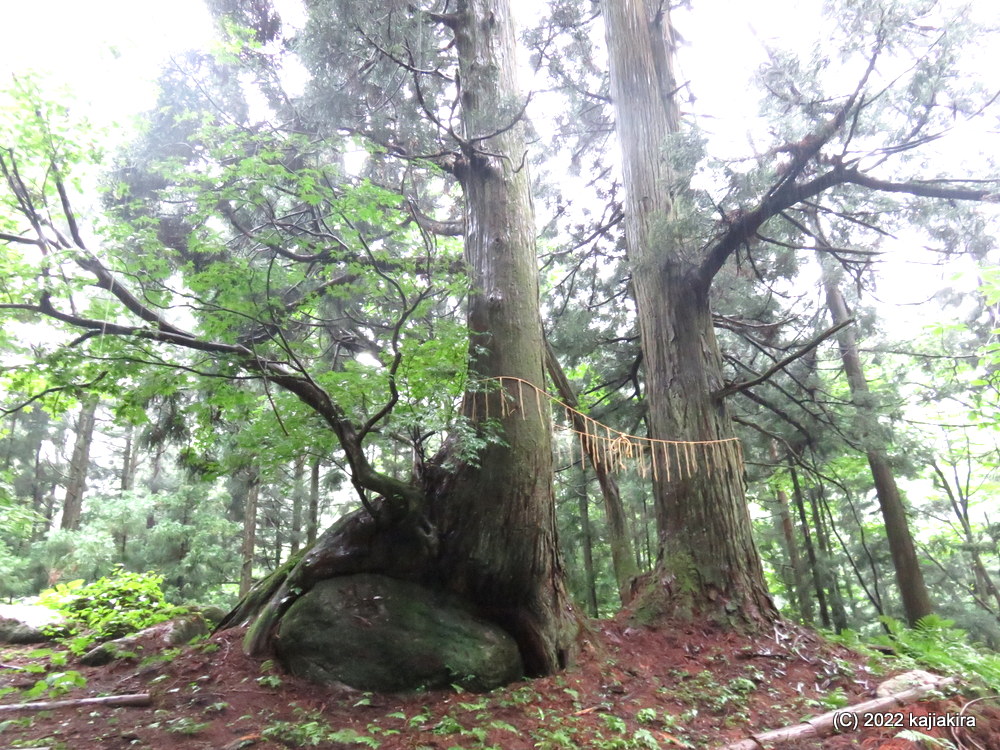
(745, 227)
(923, 188)
(55, 389)
(780, 364)
(134, 699)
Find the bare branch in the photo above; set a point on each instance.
(923, 188)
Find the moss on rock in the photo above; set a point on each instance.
(378, 633)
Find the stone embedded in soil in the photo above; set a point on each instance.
(25, 623)
(377, 633)
(905, 681)
(17, 632)
(174, 632)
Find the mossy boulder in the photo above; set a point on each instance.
(377, 633)
(26, 623)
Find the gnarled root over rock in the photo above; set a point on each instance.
(357, 609)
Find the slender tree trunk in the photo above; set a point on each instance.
(583, 501)
(275, 517)
(645, 544)
(983, 586)
(707, 558)
(312, 522)
(298, 494)
(129, 460)
(79, 465)
(248, 547)
(909, 578)
(156, 483)
(623, 557)
(38, 530)
(828, 572)
(802, 600)
(814, 565)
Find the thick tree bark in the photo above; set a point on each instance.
(79, 465)
(496, 516)
(707, 555)
(909, 578)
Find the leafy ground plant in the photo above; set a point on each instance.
(110, 607)
(936, 644)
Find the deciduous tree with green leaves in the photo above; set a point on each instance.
(267, 263)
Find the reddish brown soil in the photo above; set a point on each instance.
(687, 686)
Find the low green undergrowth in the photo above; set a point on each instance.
(309, 729)
(110, 607)
(937, 645)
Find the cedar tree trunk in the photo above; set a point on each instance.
(482, 523)
(496, 518)
(909, 578)
(707, 558)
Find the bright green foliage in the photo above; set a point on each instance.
(942, 648)
(182, 533)
(15, 521)
(110, 607)
(57, 684)
(936, 645)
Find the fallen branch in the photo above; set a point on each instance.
(135, 699)
(825, 724)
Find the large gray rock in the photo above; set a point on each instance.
(26, 623)
(377, 633)
(15, 631)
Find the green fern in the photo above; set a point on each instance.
(942, 648)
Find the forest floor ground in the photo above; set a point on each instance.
(633, 687)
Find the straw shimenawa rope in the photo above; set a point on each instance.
(674, 459)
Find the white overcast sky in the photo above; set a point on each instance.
(109, 52)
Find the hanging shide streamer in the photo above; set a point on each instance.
(613, 449)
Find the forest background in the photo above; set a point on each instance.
(155, 472)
